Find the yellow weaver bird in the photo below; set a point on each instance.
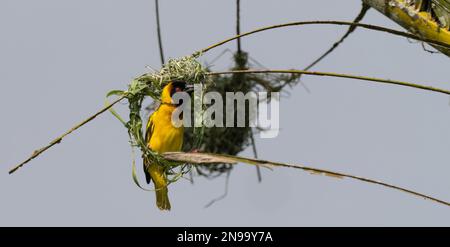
(162, 136)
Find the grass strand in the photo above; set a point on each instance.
(329, 74)
(202, 158)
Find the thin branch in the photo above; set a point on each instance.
(158, 29)
(215, 59)
(365, 78)
(207, 158)
(238, 25)
(225, 193)
(57, 140)
(255, 155)
(342, 23)
(350, 30)
(239, 51)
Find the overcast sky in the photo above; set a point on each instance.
(59, 58)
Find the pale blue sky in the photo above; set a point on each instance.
(59, 58)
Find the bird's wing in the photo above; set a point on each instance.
(148, 136)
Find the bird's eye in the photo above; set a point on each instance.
(177, 86)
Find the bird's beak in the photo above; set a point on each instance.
(189, 89)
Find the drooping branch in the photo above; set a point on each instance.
(350, 30)
(442, 44)
(315, 73)
(207, 158)
(58, 139)
(239, 53)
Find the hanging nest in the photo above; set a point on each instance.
(220, 140)
(233, 140)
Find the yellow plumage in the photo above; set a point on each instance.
(161, 136)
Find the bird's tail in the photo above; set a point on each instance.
(159, 178)
(162, 198)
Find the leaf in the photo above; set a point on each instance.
(111, 109)
(326, 174)
(202, 158)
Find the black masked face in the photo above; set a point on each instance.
(180, 86)
(177, 86)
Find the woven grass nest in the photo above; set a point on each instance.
(222, 140)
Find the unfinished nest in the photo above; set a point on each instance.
(187, 69)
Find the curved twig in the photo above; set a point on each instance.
(315, 73)
(58, 140)
(350, 30)
(343, 23)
